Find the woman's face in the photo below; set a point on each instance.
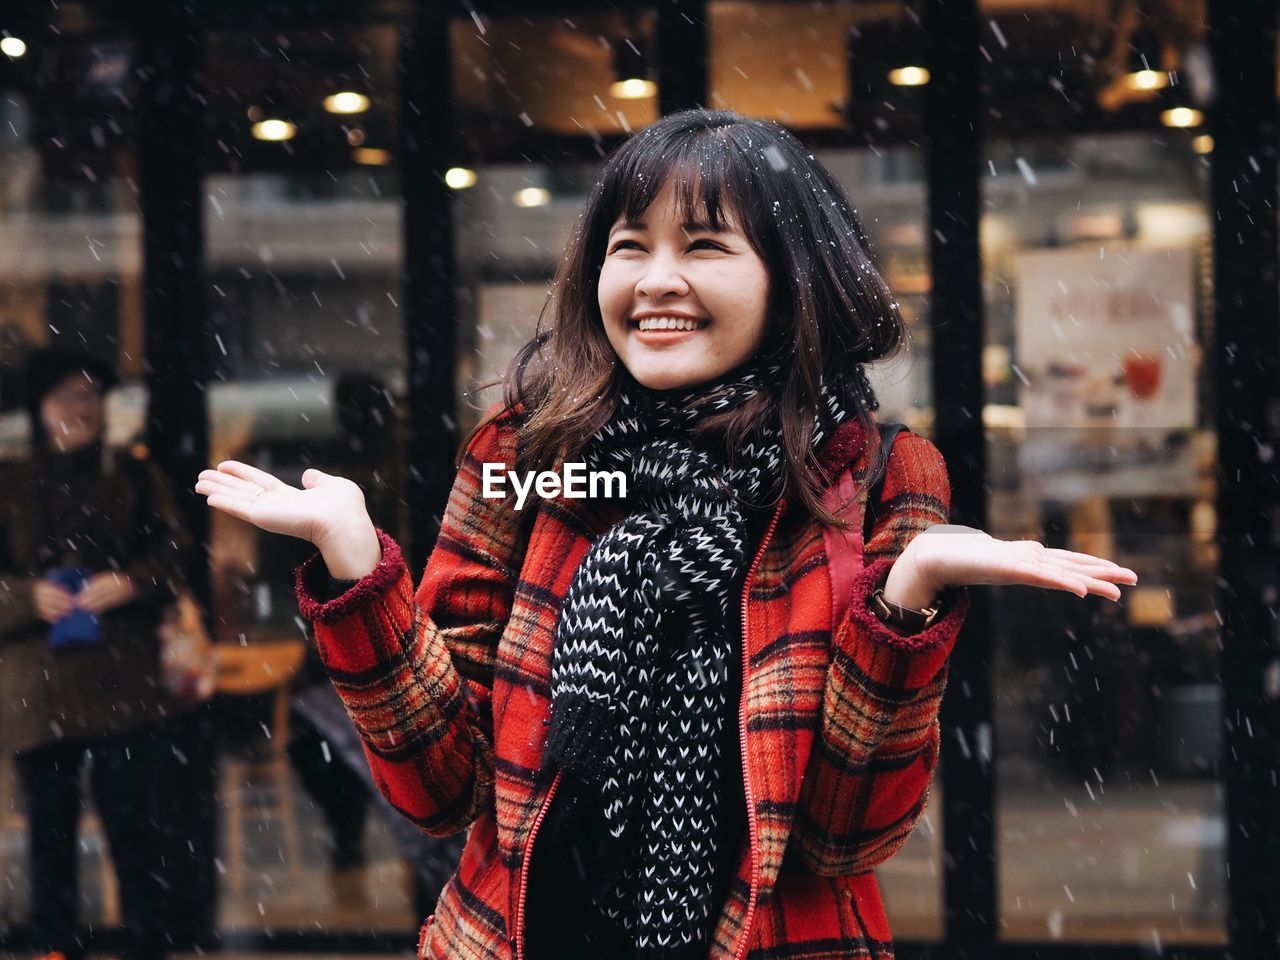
(682, 304)
(72, 412)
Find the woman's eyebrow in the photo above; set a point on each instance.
(627, 225)
(700, 226)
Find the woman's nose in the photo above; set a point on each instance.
(662, 277)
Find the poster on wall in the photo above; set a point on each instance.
(1107, 361)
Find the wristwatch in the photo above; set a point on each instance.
(903, 618)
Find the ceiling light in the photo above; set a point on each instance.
(532, 197)
(460, 178)
(274, 130)
(355, 137)
(348, 101)
(633, 88)
(1182, 117)
(12, 47)
(372, 156)
(1146, 80)
(1202, 143)
(909, 77)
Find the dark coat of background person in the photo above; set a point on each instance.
(54, 515)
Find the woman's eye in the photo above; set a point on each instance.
(705, 245)
(624, 245)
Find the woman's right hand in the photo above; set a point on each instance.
(329, 512)
(52, 601)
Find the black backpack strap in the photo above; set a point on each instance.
(888, 433)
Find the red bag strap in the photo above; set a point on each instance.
(844, 547)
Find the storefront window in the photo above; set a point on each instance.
(828, 66)
(529, 82)
(1096, 257)
(70, 276)
(304, 252)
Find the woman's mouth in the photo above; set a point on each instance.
(666, 329)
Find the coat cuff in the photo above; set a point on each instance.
(929, 648)
(312, 580)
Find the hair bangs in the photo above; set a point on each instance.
(702, 169)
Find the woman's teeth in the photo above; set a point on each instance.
(669, 323)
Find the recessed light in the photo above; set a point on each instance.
(460, 178)
(347, 101)
(1146, 80)
(633, 88)
(532, 197)
(372, 156)
(909, 77)
(1182, 117)
(12, 47)
(274, 130)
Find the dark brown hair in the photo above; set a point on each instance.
(830, 309)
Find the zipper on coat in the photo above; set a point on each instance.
(524, 865)
(753, 829)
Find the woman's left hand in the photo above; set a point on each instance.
(105, 591)
(951, 555)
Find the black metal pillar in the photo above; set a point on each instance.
(683, 55)
(170, 136)
(1246, 369)
(426, 125)
(170, 128)
(952, 152)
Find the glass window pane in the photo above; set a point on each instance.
(839, 65)
(304, 250)
(528, 80)
(512, 227)
(70, 276)
(1097, 253)
(887, 189)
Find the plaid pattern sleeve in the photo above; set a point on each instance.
(869, 774)
(415, 667)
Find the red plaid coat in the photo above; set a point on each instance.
(448, 684)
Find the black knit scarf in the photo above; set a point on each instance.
(640, 669)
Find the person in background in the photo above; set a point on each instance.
(89, 558)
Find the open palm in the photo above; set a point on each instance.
(253, 495)
(953, 555)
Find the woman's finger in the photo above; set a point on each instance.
(1102, 570)
(230, 484)
(1074, 555)
(208, 487)
(311, 476)
(1062, 578)
(1040, 570)
(244, 471)
(237, 507)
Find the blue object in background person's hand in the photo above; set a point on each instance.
(80, 628)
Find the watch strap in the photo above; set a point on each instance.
(904, 618)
